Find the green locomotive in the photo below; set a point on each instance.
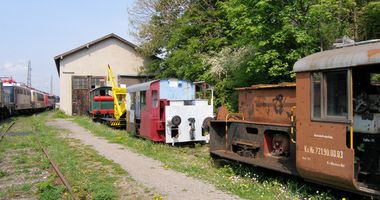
(101, 103)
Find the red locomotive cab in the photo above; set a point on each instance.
(166, 111)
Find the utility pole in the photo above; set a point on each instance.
(29, 78)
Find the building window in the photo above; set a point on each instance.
(97, 82)
(80, 83)
(330, 95)
(154, 99)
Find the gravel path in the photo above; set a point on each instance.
(149, 172)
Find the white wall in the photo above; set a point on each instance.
(93, 61)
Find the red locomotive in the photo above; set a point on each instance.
(167, 111)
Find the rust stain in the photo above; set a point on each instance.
(373, 52)
(222, 113)
(268, 86)
(267, 103)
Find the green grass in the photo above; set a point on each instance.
(22, 155)
(51, 190)
(15, 191)
(243, 180)
(90, 175)
(59, 114)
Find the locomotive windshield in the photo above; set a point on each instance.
(8, 94)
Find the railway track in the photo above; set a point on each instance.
(6, 130)
(57, 171)
(52, 163)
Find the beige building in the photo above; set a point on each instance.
(84, 68)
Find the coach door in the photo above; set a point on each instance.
(324, 115)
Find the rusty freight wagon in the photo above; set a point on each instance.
(324, 128)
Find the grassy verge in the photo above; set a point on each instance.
(59, 114)
(245, 181)
(22, 166)
(90, 175)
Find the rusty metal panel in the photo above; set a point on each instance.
(322, 152)
(267, 103)
(254, 144)
(340, 58)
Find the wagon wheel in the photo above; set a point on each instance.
(280, 144)
(176, 120)
(206, 124)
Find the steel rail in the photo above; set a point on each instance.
(53, 164)
(58, 172)
(6, 130)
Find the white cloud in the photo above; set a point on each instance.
(10, 67)
(16, 70)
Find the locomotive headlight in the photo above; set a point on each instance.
(176, 120)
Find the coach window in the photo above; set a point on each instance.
(133, 101)
(316, 97)
(336, 94)
(142, 100)
(154, 99)
(8, 94)
(330, 94)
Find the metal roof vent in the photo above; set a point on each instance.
(347, 42)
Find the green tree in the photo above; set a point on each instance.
(237, 43)
(370, 21)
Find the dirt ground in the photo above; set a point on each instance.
(149, 172)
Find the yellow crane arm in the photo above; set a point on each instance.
(118, 94)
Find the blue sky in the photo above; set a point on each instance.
(39, 30)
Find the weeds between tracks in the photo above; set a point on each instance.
(90, 175)
(6, 130)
